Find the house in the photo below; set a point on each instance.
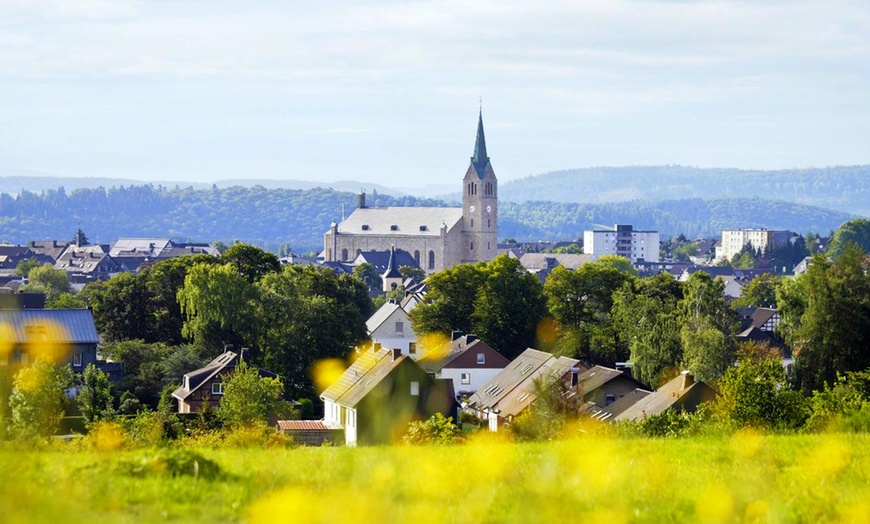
(206, 384)
(683, 393)
(376, 398)
(436, 237)
(514, 389)
(758, 324)
(542, 264)
(135, 252)
(390, 327)
(51, 249)
(89, 263)
(467, 361)
(66, 336)
(603, 386)
(618, 406)
(734, 240)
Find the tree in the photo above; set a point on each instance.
(38, 399)
(368, 274)
(856, 231)
(826, 317)
(573, 249)
(250, 261)
(66, 301)
(79, 238)
(437, 430)
(95, 396)
(248, 398)
(708, 327)
(450, 302)
(122, 307)
(580, 302)
(23, 268)
(756, 394)
(619, 263)
(412, 272)
(46, 279)
(759, 292)
(220, 307)
(509, 307)
(646, 318)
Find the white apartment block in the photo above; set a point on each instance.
(623, 240)
(733, 240)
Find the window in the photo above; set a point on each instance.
(417, 255)
(481, 358)
(217, 388)
(609, 399)
(472, 222)
(344, 255)
(415, 389)
(400, 327)
(431, 260)
(77, 359)
(465, 378)
(471, 247)
(412, 348)
(394, 228)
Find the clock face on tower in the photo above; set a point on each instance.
(471, 209)
(488, 209)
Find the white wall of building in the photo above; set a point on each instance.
(641, 245)
(478, 377)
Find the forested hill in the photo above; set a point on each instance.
(272, 217)
(845, 188)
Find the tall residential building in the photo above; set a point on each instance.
(623, 240)
(733, 240)
(437, 237)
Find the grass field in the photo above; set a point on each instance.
(740, 478)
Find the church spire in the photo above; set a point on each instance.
(480, 161)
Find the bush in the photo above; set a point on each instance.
(172, 463)
(756, 394)
(152, 428)
(843, 407)
(672, 423)
(437, 429)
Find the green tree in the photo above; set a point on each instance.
(619, 263)
(248, 398)
(23, 268)
(46, 279)
(95, 396)
(66, 301)
(412, 272)
(856, 231)
(122, 307)
(646, 317)
(250, 261)
(580, 302)
(450, 302)
(826, 317)
(437, 430)
(509, 307)
(708, 327)
(220, 306)
(759, 292)
(368, 274)
(756, 394)
(38, 399)
(573, 249)
(684, 251)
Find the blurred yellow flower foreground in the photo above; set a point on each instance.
(746, 477)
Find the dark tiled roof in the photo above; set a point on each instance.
(596, 376)
(302, 425)
(619, 405)
(380, 260)
(71, 326)
(523, 396)
(673, 393)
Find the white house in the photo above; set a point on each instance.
(468, 362)
(391, 328)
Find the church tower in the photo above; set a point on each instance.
(480, 204)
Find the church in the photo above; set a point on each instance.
(437, 237)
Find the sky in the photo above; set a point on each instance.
(389, 92)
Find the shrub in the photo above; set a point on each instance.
(756, 394)
(172, 463)
(37, 401)
(437, 429)
(845, 406)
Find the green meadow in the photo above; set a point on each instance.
(744, 477)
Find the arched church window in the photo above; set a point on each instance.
(344, 255)
(471, 247)
(431, 260)
(417, 256)
(472, 222)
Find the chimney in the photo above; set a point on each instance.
(377, 346)
(455, 334)
(229, 347)
(470, 338)
(688, 379)
(361, 200)
(397, 354)
(243, 354)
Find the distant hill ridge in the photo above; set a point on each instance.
(273, 217)
(844, 188)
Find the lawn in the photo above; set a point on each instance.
(740, 478)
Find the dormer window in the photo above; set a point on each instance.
(424, 228)
(365, 227)
(394, 228)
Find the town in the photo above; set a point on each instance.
(418, 324)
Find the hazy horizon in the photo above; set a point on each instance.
(388, 93)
